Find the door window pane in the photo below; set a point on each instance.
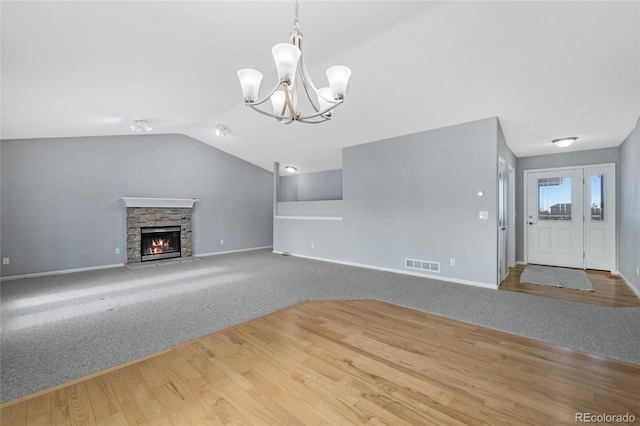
(554, 198)
(597, 198)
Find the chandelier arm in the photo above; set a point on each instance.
(288, 103)
(268, 114)
(314, 122)
(321, 113)
(281, 119)
(266, 98)
(305, 78)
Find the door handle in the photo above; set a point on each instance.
(531, 223)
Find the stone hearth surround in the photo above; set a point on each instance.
(157, 212)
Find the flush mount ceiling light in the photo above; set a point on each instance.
(290, 169)
(564, 142)
(295, 82)
(140, 124)
(221, 130)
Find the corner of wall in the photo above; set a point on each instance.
(628, 207)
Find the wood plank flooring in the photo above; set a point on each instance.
(345, 363)
(609, 290)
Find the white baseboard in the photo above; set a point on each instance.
(115, 265)
(521, 262)
(230, 251)
(397, 271)
(59, 272)
(627, 282)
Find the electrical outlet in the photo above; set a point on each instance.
(313, 245)
(5, 260)
(221, 242)
(117, 250)
(452, 261)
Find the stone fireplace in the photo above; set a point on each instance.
(158, 228)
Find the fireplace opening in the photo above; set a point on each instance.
(159, 243)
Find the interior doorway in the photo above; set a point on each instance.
(511, 217)
(503, 225)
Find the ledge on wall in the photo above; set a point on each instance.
(309, 217)
(160, 202)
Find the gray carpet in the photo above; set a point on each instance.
(556, 277)
(59, 328)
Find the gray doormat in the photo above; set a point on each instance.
(556, 277)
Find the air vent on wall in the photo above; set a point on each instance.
(422, 265)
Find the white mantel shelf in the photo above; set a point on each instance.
(160, 202)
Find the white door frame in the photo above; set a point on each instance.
(511, 218)
(611, 197)
(503, 225)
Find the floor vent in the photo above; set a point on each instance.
(422, 265)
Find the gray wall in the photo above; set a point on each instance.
(326, 208)
(504, 151)
(316, 186)
(629, 208)
(564, 159)
(61, 206)
(413, 196)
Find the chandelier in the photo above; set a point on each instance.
(294, 83)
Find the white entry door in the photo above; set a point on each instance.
(571, 217)
(555, 220)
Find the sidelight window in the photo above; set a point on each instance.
(597, 198)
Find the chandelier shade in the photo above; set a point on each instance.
(250, 81)
(277, 101)
(294, 84)
(286, 57)
(324, 98)
(338, 77)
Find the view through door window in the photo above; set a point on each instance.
(597, 198)
(554, 198)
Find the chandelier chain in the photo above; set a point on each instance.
(296, 25)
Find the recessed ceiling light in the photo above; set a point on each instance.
(140, 124)
(221, 130)
(564, 142)
(290, 169)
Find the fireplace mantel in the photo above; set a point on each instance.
(160, 202)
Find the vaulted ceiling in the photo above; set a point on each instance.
(546, 69)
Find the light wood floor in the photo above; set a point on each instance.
(609, 290)
(345, 363)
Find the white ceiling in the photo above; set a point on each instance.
(546, 69)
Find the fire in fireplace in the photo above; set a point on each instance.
(159, 243)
